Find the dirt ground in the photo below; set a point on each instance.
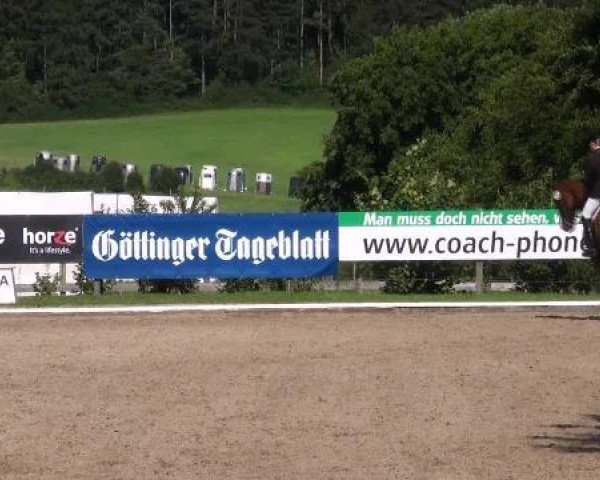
(432, 395)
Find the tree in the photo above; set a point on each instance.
(182, 202)
(166, 181)
(185, 201)
(112, 177)
(135, 183)
(17, 96)
(477, 111)
(84, 53)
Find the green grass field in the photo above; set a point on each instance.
(284, 297)
(274, 140)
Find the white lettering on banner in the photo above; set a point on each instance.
(224, 245)
(282, 246)
(2, 236)
(145, 246)
(376, 219)
(444, 218)
(58, 237)
(107, 245)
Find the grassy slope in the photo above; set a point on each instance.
(275, 140)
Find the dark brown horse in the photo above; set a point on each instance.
(569, 196)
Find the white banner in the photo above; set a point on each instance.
(456, 235)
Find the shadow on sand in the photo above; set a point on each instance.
(595, 318)
(582, 437)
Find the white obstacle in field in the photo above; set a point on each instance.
(68, 203)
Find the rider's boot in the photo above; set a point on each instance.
(588, 244)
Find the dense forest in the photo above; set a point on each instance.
(65, 54)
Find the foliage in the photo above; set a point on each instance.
(46, 178)
(187, 201)
(479, 111)
(86, 285)
(302, 285)
(181, 287)
(66, 54)
(166, 181)
(183, 202)
(45, 284)
(421, 277)
(112, 177)
(557, 276)
(135, 183)
(233, 285)
(272, 285)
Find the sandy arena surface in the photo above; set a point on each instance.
(429, 395)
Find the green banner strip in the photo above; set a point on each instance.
(448, 217)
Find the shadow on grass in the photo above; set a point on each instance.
(582, 437)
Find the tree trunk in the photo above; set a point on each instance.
(98, 54)
(301, 45)
(345, 34)
(45, 69)
(329, 32)
(171, 28)
(237, 21)
(203, 75)
(320, 41)
(144, 25)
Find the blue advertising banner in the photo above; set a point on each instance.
(210, 245)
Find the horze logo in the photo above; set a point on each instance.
(56, 238)
(107, 245)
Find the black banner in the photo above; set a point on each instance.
(40, 238)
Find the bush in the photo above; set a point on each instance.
(135, 183)
(569, 276)
(47, 178)
(45, 284)
(178, 204)
(421, 277)
(303, 285)
(86, 286)
(271, 285)
(167, 286)
(166, 182)
(112, 177)
(244, 285)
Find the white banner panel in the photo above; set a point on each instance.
(456, 235)
(7, 286)
(42, 203)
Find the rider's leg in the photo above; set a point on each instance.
(590, 207)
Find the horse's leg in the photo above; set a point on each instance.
(596, 235)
